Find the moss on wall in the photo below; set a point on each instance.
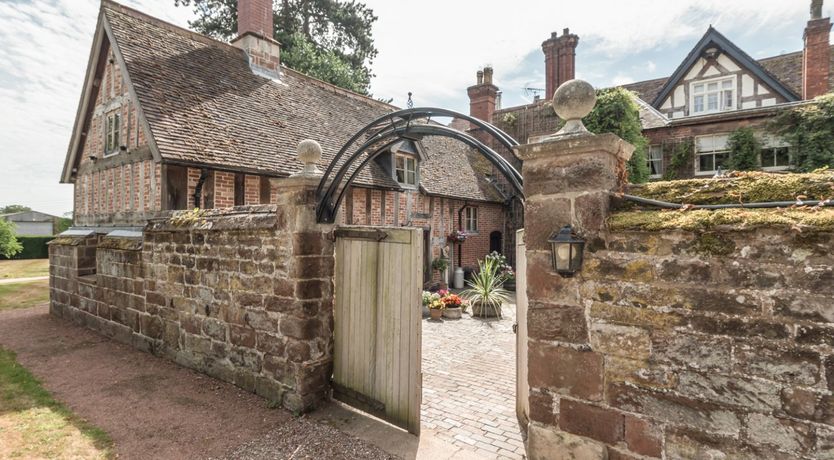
(805, 219)
(742, 187)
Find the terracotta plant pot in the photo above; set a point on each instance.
(436, 313)
(481, 311)
(453, 313)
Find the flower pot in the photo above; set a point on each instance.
(509, 285)
(453, 313)
(425, 311)
(485, 311)
(436, 313)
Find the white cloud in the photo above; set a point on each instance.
(622, 80)
(651, 66)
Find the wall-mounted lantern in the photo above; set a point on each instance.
(566, 251)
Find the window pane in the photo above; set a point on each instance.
(712, 101)
(706, 162)
(720, 142)
(400, 162)
(721, 160)
(703, 144)
(400, 176)
(727, 84)
(783, 157)
(712, 87)
(768, 158)
(411, 178)
(728, 100)
(699, 88)
(699, 104)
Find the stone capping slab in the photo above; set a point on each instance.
(69, 240)
(237, 218)
(121, 243)
(568, 146)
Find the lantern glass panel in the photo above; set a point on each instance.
(563, 256)
(576, 256)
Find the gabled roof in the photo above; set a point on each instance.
(714, 38)
(204, 106)
(28, 216)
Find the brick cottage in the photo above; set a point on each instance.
(192, 122)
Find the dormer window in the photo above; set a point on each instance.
(405, 169)
(112, 133)
(713, 96)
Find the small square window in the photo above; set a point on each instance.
(405, 169)
(655, 160)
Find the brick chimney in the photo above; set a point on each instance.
(816, 58)
(254, 35)
(559, 60)
(483, 96)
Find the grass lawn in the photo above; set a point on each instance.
(23, 295)
(34, 425)
(23, 268)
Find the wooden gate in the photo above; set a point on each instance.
(377, 322)
(522, 388)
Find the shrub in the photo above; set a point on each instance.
(616, 112)
(809, 129)
(31, 247)
(9, 244)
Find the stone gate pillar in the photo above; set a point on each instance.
(568, 178)
(309, 326)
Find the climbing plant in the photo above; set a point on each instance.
(679, 159)
(745, 150)
(616, 112)
(809, 129)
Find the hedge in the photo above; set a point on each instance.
(34, 247)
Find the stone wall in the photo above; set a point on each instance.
(243, 295)
(684, 345)
(676, 345)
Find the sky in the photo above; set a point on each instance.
(432, 48)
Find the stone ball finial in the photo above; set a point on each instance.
(573, 101)
(309, 154)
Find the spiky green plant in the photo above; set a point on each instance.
(486, 287)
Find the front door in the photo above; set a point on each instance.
(377, 322)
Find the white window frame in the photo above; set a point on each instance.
(720, 95)
(713, 152)
(406, 171)
(112, 133)
(470, 219)
(650, 159)
(772, 143)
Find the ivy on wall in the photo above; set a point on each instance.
(616, 112)
(809, 129)
(745, 150)
(680, 157)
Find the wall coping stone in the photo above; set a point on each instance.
(237, 218)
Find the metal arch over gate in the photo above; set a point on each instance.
(389, 129)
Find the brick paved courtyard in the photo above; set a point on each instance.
(469, 385)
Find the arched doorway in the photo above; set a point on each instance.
(496, 242)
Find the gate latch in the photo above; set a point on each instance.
(515, 328)
(361, 234)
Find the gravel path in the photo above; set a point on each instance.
(153, 408)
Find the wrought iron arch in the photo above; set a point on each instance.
(389, 129)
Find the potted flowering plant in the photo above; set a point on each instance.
(456, 237)
(436, 308)
(428, 298)
(453, 305)
(504, 269)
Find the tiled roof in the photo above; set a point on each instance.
(466, 167)
(204, 105)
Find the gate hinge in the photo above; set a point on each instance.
(515, 328)
(361, 234)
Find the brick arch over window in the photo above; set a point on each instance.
(385, 131)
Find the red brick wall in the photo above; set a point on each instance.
(252, 187)
(418, 210)
(123, 188)
(816, 59)
(224, 189)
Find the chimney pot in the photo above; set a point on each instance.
(488, 75)
(559, 60)
(566, 31)
(480, 77)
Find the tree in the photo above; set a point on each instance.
(64, 223)
(616, 112)
(809, 129)
(13, 208)
(331, 40)
(9, 245)
(745, 150)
